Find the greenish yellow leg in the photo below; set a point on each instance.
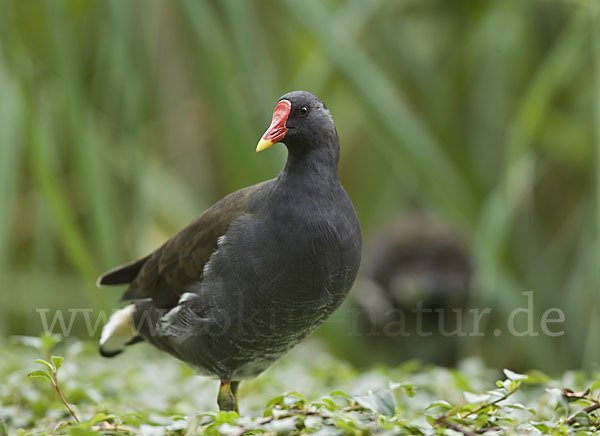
(234, 388)
(227, 399)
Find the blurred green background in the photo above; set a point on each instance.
(120, 121)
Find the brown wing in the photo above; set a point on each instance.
(164, 274)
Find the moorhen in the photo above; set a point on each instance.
(413, 292)
(255, 273)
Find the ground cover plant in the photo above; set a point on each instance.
(146, 393)
(121, 121)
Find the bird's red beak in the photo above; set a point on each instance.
(277, 129)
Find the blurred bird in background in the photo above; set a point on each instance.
(416, 275)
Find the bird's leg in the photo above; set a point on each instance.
(234, 388)
(227, 399)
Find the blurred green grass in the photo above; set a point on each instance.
(121, 121)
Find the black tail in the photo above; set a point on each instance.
(122, 274)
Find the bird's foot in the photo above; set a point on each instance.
(227, 399)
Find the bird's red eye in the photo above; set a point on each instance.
(303, 111)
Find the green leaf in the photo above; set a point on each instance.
(582, 418)
(514, 385)
(313, 422)
(230, 429)
(282, 426)
(278, 400)
(57, 361)
(514, 375)
(3, 429)
(100, 417)
(339, 393)
(227, 417)
(439, 403)
(328, 403)
(40, 374)
(431, 420)
(409, 388)
(293, 400)
(133, 418)
(329, 430)
(520, 406)
(535, 376)
(43, 362)
(382, 402)
(472, 398)
(81, 431)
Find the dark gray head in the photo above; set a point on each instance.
(303, 123)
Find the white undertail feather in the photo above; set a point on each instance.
(119, 330)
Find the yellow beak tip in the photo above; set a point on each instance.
(263, 144)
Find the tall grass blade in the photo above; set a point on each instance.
(44, 169)
(415, 143)
(557, 70)
(591, 355)
(95, 183)
(10, 156)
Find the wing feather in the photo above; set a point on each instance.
(164, 274)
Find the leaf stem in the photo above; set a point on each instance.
(452, 426)
(62, 397)
(587, 410)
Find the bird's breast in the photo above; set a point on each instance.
(296, 251)
(310, 253)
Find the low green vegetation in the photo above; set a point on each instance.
(144, 392)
